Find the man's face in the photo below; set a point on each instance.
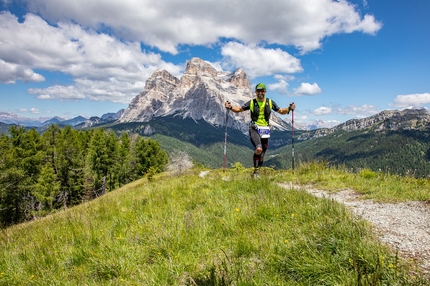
(260, 93)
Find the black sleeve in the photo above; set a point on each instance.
(247, 105)
(275, 107)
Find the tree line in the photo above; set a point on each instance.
(63, 167)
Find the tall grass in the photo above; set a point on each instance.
(379, 186)
(221, 229)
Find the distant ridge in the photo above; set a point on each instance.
(407, 119)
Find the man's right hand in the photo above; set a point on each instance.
(227, 105)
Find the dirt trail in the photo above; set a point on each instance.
(403, 226)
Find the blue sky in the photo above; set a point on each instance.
(336, 60)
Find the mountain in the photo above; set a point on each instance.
(407, 119)
(199, 94)
(395, 142)
(54, 120)
(42, 123)
(113, 116)
(12, 118)
(74, 121)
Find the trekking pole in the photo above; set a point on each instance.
(292, 139)
(225, 138)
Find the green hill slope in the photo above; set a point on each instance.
(202, 141)
(218, 229)
(402, 152)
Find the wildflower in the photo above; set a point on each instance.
(237, 209)
(286, 241)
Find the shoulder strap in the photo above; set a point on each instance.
(252, 104)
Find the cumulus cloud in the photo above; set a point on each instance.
(259, 61)
(322, 111)
(103, 67)
(416, 100)
(167, 23)
(282, 85)
(31, 110)
(307, 89)
(357, 110)
(10, 73)
(98, 43)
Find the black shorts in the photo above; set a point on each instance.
(257, 141)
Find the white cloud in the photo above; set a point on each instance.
(357, 110)
(322, 111)
(10, 73)
(307, 89)
(282, 85)
(31, 110)
(416, 100)
(98, 42)
(103, 67)
(258, 61)
(167, 23)
(66, 93)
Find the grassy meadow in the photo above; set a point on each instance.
(220, 228)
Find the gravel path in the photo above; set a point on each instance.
(403, 226)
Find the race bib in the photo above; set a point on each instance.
(264, 131)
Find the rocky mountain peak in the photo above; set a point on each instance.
(161, 81)
(197, 66)
(239, 79)
(199, 94)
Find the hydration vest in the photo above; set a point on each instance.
(255, 109)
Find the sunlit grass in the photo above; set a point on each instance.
(218, 229)
(373, 185)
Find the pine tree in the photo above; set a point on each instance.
(45, 191)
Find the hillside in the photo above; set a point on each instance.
(399, 144)
(211, 227)
(402, 152)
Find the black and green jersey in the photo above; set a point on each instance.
(260, 115)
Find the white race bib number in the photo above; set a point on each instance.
(264, 131)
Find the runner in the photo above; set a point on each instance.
(259, 131)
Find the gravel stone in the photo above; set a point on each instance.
(405, 227)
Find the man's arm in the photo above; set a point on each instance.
(235, 109)
(287, 110)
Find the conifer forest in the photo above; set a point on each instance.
(63, 167)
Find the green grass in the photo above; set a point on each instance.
(223, 229)
(378, 186)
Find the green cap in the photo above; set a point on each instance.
(260, 86)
